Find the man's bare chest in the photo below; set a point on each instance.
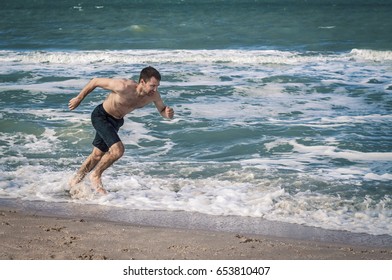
(130, 102)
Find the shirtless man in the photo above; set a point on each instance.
(107, 118)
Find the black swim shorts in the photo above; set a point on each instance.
(107, 128)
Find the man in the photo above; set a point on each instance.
(107, 118)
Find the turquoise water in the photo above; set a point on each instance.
(317, 25)
(283, 108)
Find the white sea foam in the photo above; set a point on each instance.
(134, 132)
(343, 120)
(378, 56)
(327, 27)
(377, 177)
(45, 143)
(261, 198)
(67, 86)
(334, 152)
(240, 57)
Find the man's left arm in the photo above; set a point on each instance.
(163, 109)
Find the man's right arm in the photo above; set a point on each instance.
(113, 85)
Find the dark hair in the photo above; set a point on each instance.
(147, 73)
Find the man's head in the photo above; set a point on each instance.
(149, 80)
(147, 73)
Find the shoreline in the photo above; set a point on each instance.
(35, 234)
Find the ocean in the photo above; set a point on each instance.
(283, 109)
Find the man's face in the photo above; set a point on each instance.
(150, 87)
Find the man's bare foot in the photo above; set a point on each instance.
(74, 192)
(75, 180)
(96, 183)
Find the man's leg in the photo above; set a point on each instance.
(115, 152)
(88, 165)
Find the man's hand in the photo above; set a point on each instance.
(169, 112)
(74, 102)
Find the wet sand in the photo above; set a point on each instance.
(25, 235)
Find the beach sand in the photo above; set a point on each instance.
(27, 236)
